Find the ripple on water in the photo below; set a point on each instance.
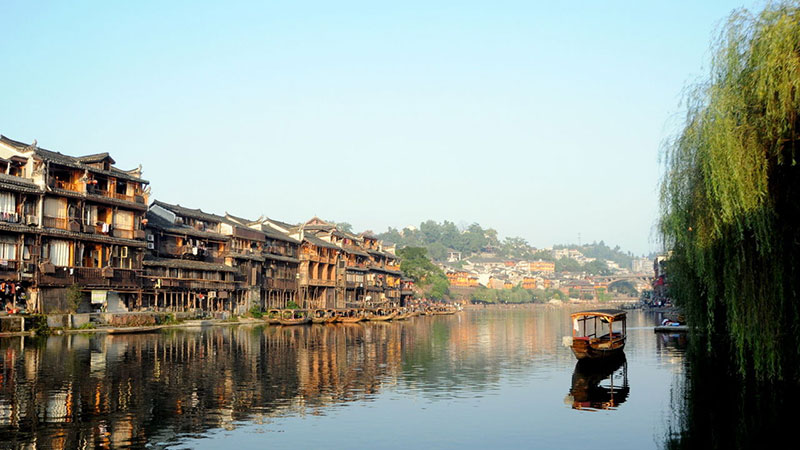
(480, 378)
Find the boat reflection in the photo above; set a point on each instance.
(599, 385)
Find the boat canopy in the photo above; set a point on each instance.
(610, 314)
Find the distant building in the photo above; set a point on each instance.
(641, 265)
(542, 266)
(453, 256)
(529, 283)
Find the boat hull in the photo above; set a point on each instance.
(381, 318)
(584, 349)
(350, 319)
(302, 321)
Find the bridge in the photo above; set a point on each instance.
(638, 279)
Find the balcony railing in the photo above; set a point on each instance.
(8, 265)
(320, 282)
(154, 281)
(126, 197)
(62, 223)
(11, 217)
(274, 283)
(66, 185)
(91, 276)
(125, 234)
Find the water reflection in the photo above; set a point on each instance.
(599, 384)
(718, 408)
(476, 379)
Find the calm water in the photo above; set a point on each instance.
(482, 378)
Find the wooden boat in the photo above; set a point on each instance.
(350, 316)
(294, 317)
(594, 335)
(403, 315)
(442, 310)
(381, 315)
(273, 316)
(323, 316)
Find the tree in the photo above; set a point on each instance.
(730, 195)
(597, 267)
(568, 265)
(414, 262)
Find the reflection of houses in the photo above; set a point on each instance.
(69, 220)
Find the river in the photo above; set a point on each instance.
(482, 378)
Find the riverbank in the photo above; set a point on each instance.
(130, 323)
(30, 325)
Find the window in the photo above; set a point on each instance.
(8, 248)
(123, 220)
(55, 207)
(8, 204)
(59, 253)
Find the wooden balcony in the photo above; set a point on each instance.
(66, 185)
(127, 198)
(133, 198)
(91, 277)
(62, 223)
(320, 282)
(9, 217)
(8, 269)
(153, 281)
(274, 283)
(125, 234)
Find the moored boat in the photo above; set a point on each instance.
(598, 334)
(294, 317)
(273, 316)
(381, 315)
(350, 316)
(323, 316)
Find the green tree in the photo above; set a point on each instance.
(414, 262)
(568, 265)
(597, 267)
(730, 195)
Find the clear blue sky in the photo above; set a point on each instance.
(542, 120)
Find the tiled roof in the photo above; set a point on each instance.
(90, 237)
(284, 225)
(96, 158)
(79, 162)
(189, 212)
(156, 222)
(319, 242)
(281, 258)
(275, 234)
(19, 184)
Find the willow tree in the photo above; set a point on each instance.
(731, 194)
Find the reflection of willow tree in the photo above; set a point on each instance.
(731, 196)
(716, 411)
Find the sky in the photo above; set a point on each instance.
(543, 120)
